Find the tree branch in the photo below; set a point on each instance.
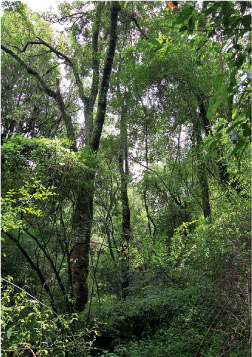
(59, 54)
(95, 60)
(210, 327)
(102, 99)
(35, 268)
(54, 269)
(55, 95)
(138, 26)
(89, 105)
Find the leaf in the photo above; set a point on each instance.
(217, 82)
(172, 4)
(213, 154)
(208, 11)
(225, 7)
(239, 147)
(233, 19)
(246, 128)
(183, 28)
(9, 333)
(211, 105)
(154, 42)
(232, 77)
(191, 23)
(235, 124)
(186, 12)
(248, 111)
(179, 20)
(240, 60)
(234, 113)
(246, 21)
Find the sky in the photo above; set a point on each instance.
(42, 5)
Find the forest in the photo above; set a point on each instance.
(125, 153)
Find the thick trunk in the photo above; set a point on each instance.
(202, 173)
(83, 208)
(90, 101)
(88, 114)
(204, 190)
(83, 213)
(82, 224)
(146, 188)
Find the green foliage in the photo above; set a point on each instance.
(235, 139)
(211, 259)
(172, 321)
(45, 159)
(230, 22)
(29, 328)
(24, 201)
(181, 76)
(219, 240)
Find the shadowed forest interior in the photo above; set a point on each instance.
(126, 201)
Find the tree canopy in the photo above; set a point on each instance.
(125, 179)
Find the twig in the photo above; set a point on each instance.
(33, 297)
(174, 281)
(139, 28)
(29, 348)
(210, 327)
(94, 282)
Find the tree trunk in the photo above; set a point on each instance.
(202, 172)
(83, 213)
(83, 206)
(81, 234)
(220, 163)
(126, 231)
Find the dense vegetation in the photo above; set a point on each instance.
(125, 179)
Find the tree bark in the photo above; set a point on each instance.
(126, 230)
(202, 173)
(83, 206)
(83, 216)
(90, 101)
(102, 98)
(81, 235)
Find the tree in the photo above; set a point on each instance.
(83, 206)
(125, 178)
(225, 25)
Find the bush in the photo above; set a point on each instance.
(29, 328)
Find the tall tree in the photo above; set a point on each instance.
(83, 205)
(124, 176)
